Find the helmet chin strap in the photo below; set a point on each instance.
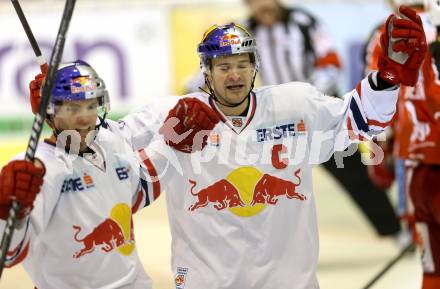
(212, 92)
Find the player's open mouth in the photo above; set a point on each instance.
(235, 87)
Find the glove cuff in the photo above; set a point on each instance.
(379, 81)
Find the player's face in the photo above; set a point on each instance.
(79, 116)
(265, 12)
(231, 77)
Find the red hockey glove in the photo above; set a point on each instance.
(403, 48)
(20, 180)
(35, 88)
(381, 175)
(188, 124)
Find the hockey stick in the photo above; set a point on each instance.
(390, 264)
(37, 126)
(27, 29)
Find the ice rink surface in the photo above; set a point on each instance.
(350, 252)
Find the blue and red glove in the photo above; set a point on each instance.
(20, 180)
(403, 48)
(188, 124)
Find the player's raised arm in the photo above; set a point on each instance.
(404, 47)
(369, 108)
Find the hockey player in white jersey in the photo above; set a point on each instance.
(78, 233)
(242, 211)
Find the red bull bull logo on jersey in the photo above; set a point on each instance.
(230, 39)
(246, 192)
(115, 232)
(270, 188)
(222, 194)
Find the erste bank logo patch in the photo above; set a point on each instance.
(280, 131)
(88, 181)
(179, 279)
(301, 127)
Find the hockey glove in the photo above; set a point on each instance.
(188, 125)
(381, 175)
(403, 48)
(35, 88)
(20, 180)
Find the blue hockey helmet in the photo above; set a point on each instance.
(226, 40)
(78, 81)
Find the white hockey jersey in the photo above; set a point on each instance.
(80, 232)
(242, 211)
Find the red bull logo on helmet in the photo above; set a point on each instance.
(82, 84)
(230, 39)
(246, 192)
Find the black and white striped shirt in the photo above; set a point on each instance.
(296, 48)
